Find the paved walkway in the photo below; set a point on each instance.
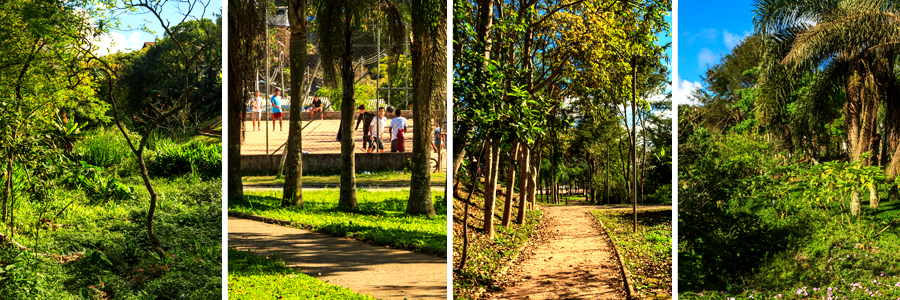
(571, 259)
(382, 272)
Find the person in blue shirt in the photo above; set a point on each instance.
(276, 110)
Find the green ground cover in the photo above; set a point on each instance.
(777, 226)
(254, 277)
(377, 178)
(647, 253)
(87, 239)
(486, 257)
(802, 255)
(565, 200)
(380, 220)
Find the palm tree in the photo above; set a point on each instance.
(242, 16)
(429, 22)
(293, 181)
(336, 22)
(855, 44)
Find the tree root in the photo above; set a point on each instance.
(4, 238)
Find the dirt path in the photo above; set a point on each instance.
(382, 272)
(570, 259)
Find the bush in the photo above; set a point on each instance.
(104, 148)
(192, 158)
(90, 179)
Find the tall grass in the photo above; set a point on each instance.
(104, 148)
(197, 159)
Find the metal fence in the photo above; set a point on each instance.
(374, 88)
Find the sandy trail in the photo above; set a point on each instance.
(382, 272)
(570, 259)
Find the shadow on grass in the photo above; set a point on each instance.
(718, 247)
(644, 218)
(387, 213)
(388, 207)
(246, 263)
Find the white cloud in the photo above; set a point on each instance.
(683, 91)
(116, 42)
(731, 40)
(706, 36)
(660, 112)
(706, 58)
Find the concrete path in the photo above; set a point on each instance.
(382, 272)
(570, 259)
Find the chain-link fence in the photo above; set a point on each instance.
(374, 88)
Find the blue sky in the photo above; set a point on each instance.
(707, 31)
(126, 40)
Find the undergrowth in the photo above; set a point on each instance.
(485, 257)
(647, 253)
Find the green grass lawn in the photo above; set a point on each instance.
(486, 257)
(254, 277)
(378, 178)
(809, 254)
(380, 219)
(647, 253)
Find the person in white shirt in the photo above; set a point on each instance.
(376, 131)
(255, 111)
(398, 129)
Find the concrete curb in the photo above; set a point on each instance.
(411, 248)
(629, 288)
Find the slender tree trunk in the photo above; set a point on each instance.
(293, 179)
(10, 201)
(490, 190)
(510, 183)
(465, 249)
(523, 185)
(634, 140)
(534, 173)
(9, 190)
(348, 102)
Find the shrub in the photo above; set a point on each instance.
(104, 148)
(192, 158)
(90, 179)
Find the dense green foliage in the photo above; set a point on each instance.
(789, 139)
(254, 277)
(203, 160)
(380, 220)
(83, 242)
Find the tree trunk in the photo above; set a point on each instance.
(873, 196)
(293, 179)
(9, 191)
(465, 249)
(523, 185)
(348, 102)
(428, 54)
(458, 157)
(510, 183)
(533, 174)
(490, 190)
